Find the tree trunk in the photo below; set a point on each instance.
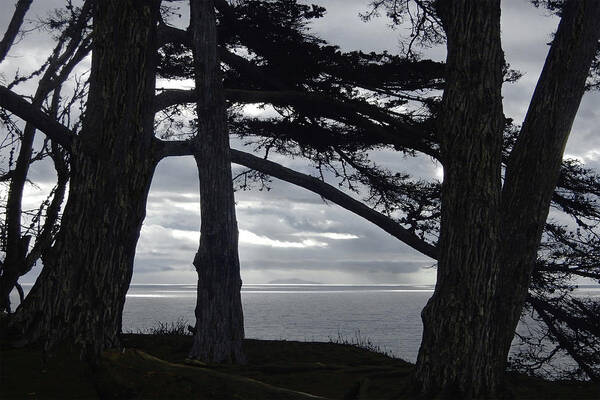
(79, 296)
(488, 248)
(219, 317)
(456, 338)
(534, 165)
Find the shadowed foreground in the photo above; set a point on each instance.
(155, 367)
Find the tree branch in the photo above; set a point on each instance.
(395, 132)
(179, 148)
(571, 271)
(24, 110)
(252, 71)
(547, 313)
(168, 34)
(13, 27)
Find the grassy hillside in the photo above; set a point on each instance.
(155, 367)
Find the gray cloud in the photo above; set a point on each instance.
(367, 266)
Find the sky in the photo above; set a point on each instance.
(289, 232)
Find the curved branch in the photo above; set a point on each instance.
(336, 196)
(316, 186)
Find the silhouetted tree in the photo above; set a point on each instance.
(80, 293)
(219, 326)
(483, 279)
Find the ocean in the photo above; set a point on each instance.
(386, 315)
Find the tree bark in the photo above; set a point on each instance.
(219, 317)
(487, 247)
(79, 296)
(456, 321)
(534, 165)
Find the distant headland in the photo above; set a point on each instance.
(293, 281)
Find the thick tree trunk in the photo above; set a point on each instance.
(534, 165)
(456, 337)
(488, 249)
(219, 317)
(79, 296)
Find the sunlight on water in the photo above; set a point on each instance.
(337, 291)
(152, 295)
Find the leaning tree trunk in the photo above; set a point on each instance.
(13, 27)
(219, 317)
(456, 337)
(534, 165)
(79, 296)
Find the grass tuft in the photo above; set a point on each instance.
(361, 342)
(173, 328)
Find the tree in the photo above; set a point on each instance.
(219, 326)
(482, 215)
(546, 128)
(81, 291)
(112, 161)
(98, 327)
(489, 239)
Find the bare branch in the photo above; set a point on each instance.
(24, 110)
(13, 27)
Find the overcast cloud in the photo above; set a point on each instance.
(289, 232)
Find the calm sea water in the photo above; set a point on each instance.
(387, 315)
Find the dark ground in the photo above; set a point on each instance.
(155, 367)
